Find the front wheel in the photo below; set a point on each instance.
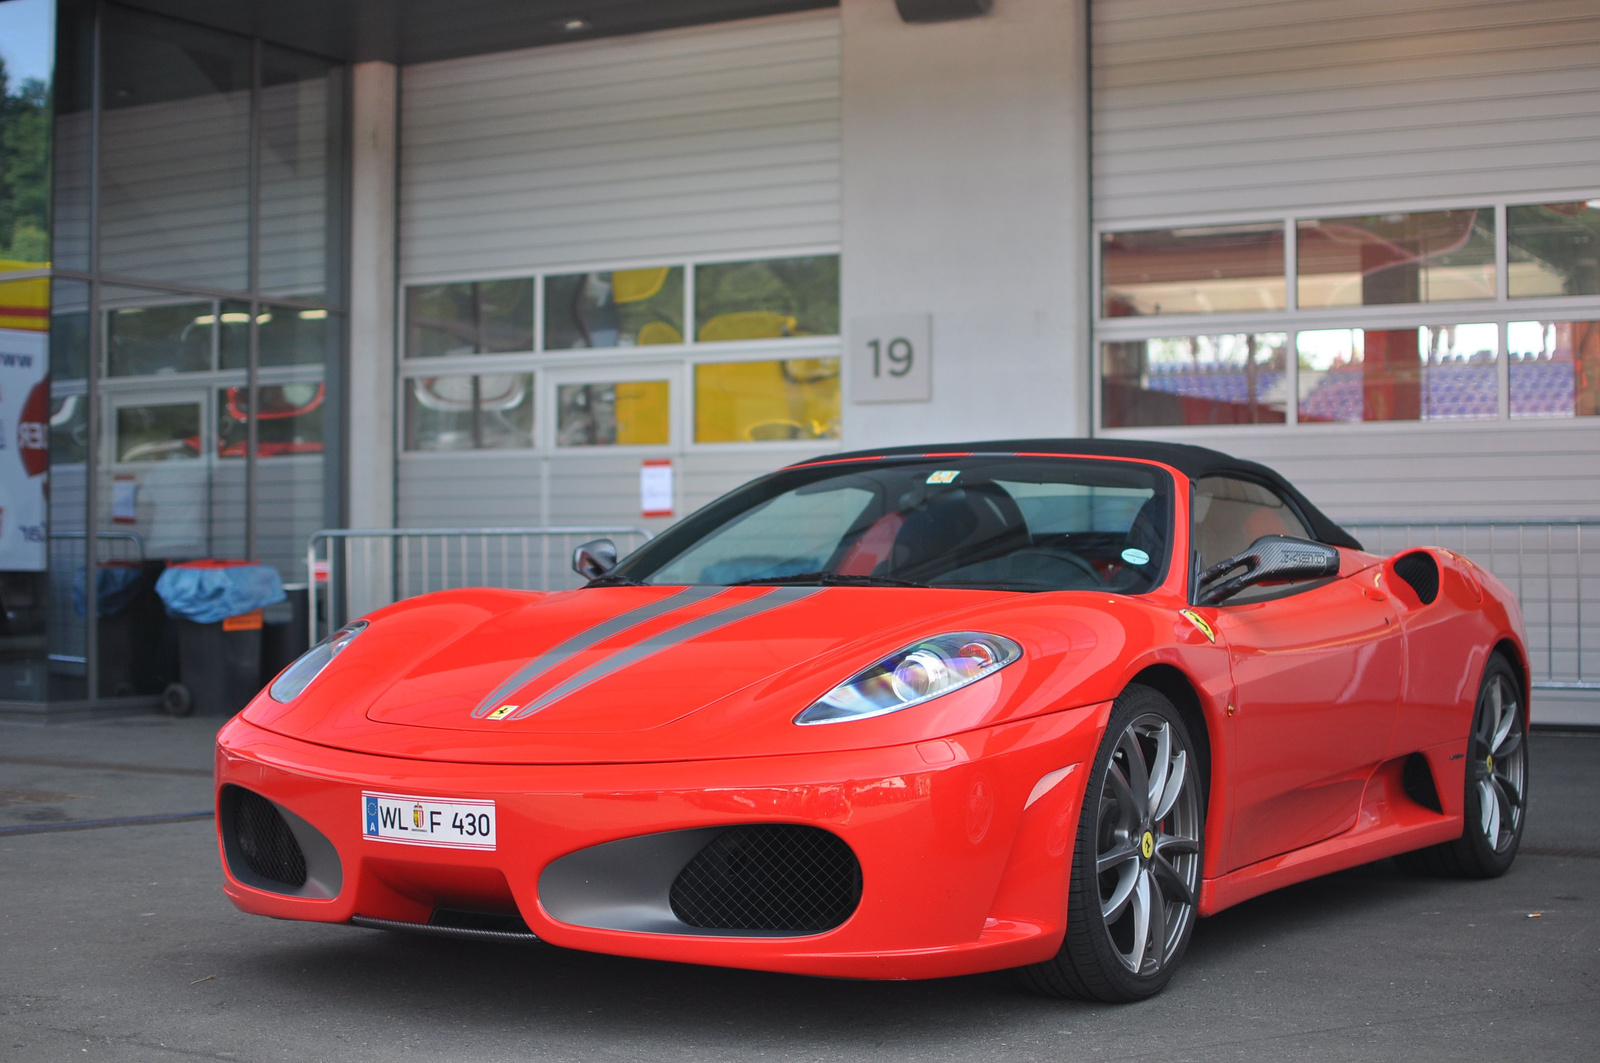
(1497, 786)
(1136, 863)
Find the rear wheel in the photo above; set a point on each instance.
(1497, 786)
(1136, 864)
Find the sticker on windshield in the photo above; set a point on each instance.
(943, 476)
(1135, 556)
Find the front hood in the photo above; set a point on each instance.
(620, 660)
(655, 673)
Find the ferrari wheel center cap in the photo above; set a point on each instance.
(1488, 762)
(1147, 845)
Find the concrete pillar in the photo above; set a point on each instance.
(371, 440)
(965, 169)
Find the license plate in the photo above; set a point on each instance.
(458, 823)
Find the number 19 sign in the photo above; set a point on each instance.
(891, 358)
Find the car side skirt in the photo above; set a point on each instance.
(1389, 823)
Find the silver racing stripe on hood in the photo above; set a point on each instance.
(563, 651)
(665, 640)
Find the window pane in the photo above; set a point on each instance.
(290, 421)
(153, 338)
(475, 317)
(165, 432)
(1431, 373)
(69, 330)
(633, 413)
(764, 300)
(1434, 256)
(1192, 271)
(289, 336)
(738, 402)
(69, 429)
(174, 151)
(301, 102)
(69, 162)
(1231, 514)
(1238, 378)
(1555, 368)
(489, 412)
(620, 308)
(27, 55)
(1553, 249)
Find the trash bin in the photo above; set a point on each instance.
(131, 623)
(283, 636)
(216, 607)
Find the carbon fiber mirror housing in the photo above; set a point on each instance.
(594, 558)
(1270, 559)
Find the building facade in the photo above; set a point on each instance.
(292, 269)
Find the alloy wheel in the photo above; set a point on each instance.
(1499, 764)
(1148, 844)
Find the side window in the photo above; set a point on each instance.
(1231, 514)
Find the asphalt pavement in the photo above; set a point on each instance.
(116, 943)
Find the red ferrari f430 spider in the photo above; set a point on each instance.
(919, 712)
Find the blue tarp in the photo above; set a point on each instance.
(208, 595)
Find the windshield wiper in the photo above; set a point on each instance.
(826, 579)
(1006, 584)
(615, 581)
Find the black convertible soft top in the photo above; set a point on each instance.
(1194, 462)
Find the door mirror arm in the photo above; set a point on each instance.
(1270, 559)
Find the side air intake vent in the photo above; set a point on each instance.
(261, 838)
(1422, 572)
(774, 877)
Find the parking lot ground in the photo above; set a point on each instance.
(116, 943)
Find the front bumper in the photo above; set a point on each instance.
(964, 843)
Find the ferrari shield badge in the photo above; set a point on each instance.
(1200, 624)
(502, 712)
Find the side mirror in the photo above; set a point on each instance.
(1270, 559)
(594, 558)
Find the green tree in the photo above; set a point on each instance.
(24, 169)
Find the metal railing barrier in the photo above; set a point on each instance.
(356, 570)
(1544, 563)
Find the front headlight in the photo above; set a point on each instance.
(918, 673)
(299, 675)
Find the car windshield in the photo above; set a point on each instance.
(1010, 523)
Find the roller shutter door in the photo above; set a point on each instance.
(1230, 105)
(708, 140)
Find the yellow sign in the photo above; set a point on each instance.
(25, 304)
(502, 712)
(1199, 622)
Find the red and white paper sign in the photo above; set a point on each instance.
(655, 488)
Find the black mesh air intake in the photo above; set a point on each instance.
(772, 877)
(1422, 572)
(264, 840)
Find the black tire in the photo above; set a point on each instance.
(1501, 769)
(176, 700)
(1097, 956)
